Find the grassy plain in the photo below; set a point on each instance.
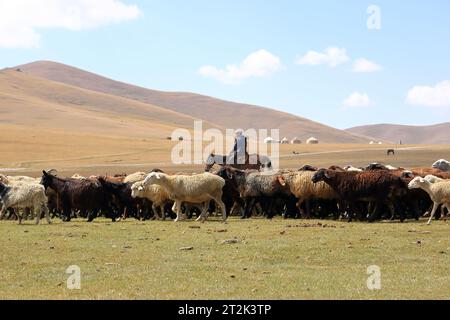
(267, 260)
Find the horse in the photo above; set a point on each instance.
(391, 151)
(253, 162)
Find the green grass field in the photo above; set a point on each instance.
(292, 259)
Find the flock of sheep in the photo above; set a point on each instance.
(368, 194)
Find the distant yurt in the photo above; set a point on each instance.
(372, 142)
(285, 141)
(312, 141)
(269, 140)
(296, 141)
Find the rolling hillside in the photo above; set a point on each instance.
(47, 124)
(220, 112)
(436, 134)
(41, 103)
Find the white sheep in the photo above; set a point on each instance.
(135, 177)
(23, 195)
(439, 193)
(442, 164)
(433, 179)
(11, 179)
(352, 169)
(76, 176)
(154, 193)
(392, 168)
(199, 189)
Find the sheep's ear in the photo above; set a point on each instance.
(141, 189)
(282, 181)
(158, 176)
(45, 173)
(327, 175)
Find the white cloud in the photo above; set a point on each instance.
(21, 20)
(437, 96)
(258, 64)
(364, 66)
(357, 100)
(332, 56)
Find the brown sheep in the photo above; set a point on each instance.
(376, 186)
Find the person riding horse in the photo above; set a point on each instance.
(239, 158)
(239, 155)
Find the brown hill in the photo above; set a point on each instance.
(435, 134)
(47, 124)
(38, 102)
(197, 106)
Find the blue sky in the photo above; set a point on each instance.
(165, 44)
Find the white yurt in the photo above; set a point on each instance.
(285, 141)
(296, 141)
(269, 140)
(372, 142)
(312, 140)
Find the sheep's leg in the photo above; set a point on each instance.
(93, 215)
(155, 212)
(270, 209)
(308, 209)
(299, 206)
(2, 213)
(249, 204)
(222, 206)
(443, 212)
(257, 209)
(174, 207)
(234, 208)
(163, 212)
(47, 213)
(38, 214)
(67, 214)
(415, 209)
(177, 209)
(351, 211)
(206, 208)
(224, 211)
(435, 207)
(445, 206)
(373, 213)
(204, 213)
(427, 213)
(391, 207)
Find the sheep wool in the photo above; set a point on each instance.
(196, 189)
(22, 195)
